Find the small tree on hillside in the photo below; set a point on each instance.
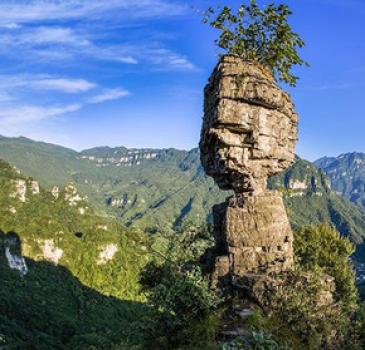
(263, 36)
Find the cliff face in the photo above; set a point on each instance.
(347, 175)
(249, 133)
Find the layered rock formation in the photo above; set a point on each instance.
(249, 133)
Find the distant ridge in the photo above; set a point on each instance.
(347, 175)
(166, 189)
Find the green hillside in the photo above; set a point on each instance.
(78, 284)
(161, 190)
(309, 201)
(70, 277)
(146, 188)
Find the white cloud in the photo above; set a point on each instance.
(126, 59)
(60, 43)
(109, 95)
(5, 97)
(42, 42)
(159, 57)
(58, 35)
(168, 60)
(44, 82)
(30, 11)
(53, 35)
(10, 26)
(41, 36)
(14, 115)
(149, 54)
(65, 85)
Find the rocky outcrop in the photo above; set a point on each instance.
(55, 192)
(21, 187)
(119, 157)
(20, 190)
(34, 185)
(107, 253)
(249, 133)
(12, 210)
(51, 252)
(13, 254)
(249, 128)
(72, 196)
(16, 262)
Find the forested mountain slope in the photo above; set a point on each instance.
(69, 278)
(162, 190)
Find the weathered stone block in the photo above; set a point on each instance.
(249, 133)
(254, 232)
(245, 108)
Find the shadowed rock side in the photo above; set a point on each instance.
(249, 134)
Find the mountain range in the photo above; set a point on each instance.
(63, 218)
(347, 175)
(166, 189)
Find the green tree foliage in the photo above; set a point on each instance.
(321, 254)
(77, 302)
(185, 311)
(323, 249)
(178, 292)
(306, 318)
(303, 313)
(254, 341)
(263, 36)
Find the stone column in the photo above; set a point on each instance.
(249, 133)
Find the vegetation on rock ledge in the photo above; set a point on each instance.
(262, 36)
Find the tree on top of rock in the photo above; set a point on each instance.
(259, 35)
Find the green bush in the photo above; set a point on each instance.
(303, 315)
(262, 36)
(323, 249)
(255, 341)
(184, 307)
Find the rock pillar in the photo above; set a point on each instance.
(249, 133)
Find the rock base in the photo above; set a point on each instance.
(270, 291)
(253, 236)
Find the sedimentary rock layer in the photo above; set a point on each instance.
(249, 133)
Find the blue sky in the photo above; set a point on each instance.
(83, 73)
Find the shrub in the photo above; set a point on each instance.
(175, 288)
(322, 248)
(263, 36)
(303, 314)
(255, 341)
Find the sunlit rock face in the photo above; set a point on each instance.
(249, 129)
(249, 133)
